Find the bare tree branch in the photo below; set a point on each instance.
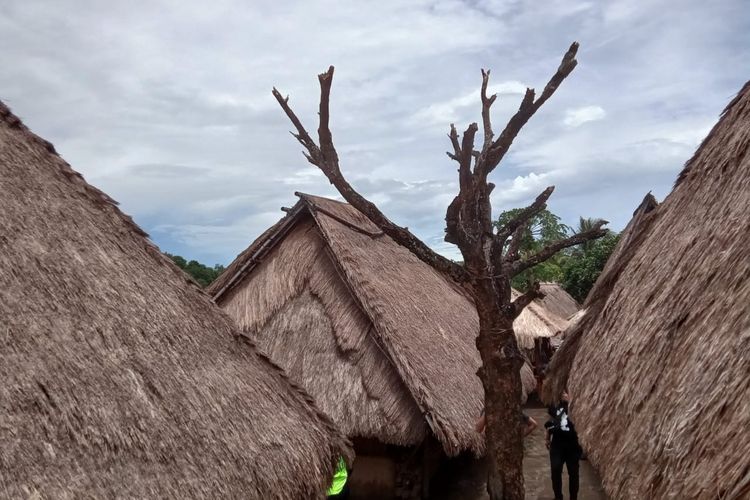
(486, 104)
(302, 136)
(467, 150)
(534, 292)
(325, 137)
(453, 136)
(540, 203)
(550, 250)
(515, 242)
(326, 158)
(527, 109)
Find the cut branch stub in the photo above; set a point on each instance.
(486, 105)
(467, 149)
(453, 135)
(324, 132)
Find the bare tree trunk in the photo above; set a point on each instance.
(491, 256)
(500, 375)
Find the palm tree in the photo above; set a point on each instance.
(586, 224)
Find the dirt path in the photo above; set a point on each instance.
(466, 479)
(536, 468)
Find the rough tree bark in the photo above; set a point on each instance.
(491, 256)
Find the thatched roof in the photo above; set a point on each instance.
(536, 322)
(660, 370)
(424, 325)
(301, 313)
(580, 324)
(119, 376)
(557, 301)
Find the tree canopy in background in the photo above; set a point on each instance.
(543, 229)
(583, 266)
(201, 273)
(577, 268)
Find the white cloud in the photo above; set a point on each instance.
(166, 105)
(450, 111)
(520, 189)
(579, 116)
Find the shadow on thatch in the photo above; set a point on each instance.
(658, 365)
(119, 377)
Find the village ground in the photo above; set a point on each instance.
(470, 484)
(536, 468)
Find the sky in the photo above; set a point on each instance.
(167, 106)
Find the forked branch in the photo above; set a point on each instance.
(528, 107)
(325, 157)
(312, 152)
(453, 135)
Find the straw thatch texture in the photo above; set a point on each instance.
(419, 327)
(528, 381)
(119, 377)
(301, 314)
(580, 324)
(660, 380)
(557, 301)
(536, 322)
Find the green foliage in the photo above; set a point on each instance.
(577, 268)
(180, 261)
(203, 274)
(545, 227)
(584, 265)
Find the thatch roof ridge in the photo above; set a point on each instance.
(34, 171)
(556, 380)
(536, 321)
(451, 409)
(557, 301)
(106, 202)
(685, 172)
(663, 355)
(95, 195)
(360, 252)
(245, 261)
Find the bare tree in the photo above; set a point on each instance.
(491, 256)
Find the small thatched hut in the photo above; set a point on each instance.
(658, 366)
(557, 301)
(556, 304)
(536, 323)
(120, 378)
(382, 341)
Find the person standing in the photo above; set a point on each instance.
(562, 442)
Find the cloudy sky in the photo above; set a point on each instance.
(166, 105)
